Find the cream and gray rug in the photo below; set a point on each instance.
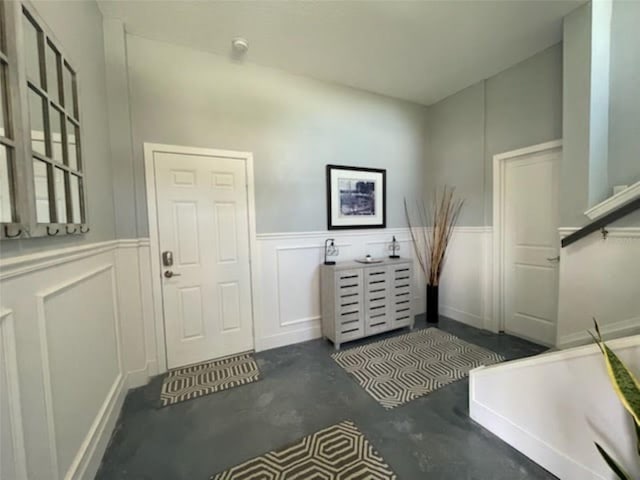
(400, 369)
(339, 452)
(205, 378)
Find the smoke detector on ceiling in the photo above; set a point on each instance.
(240, 45)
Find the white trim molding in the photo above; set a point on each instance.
(289, 293)
(552, 394)
(613, 232)
(599, 279)
(47, 294)
(9, 363)
(614, 202)
(497, 322)
(150, 149)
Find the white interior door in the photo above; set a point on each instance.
(202, 217)
(531, 246)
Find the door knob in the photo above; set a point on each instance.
(169, 274)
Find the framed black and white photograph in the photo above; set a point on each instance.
(356, 197)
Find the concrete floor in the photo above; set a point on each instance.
(301, 391)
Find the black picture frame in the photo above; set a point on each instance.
(330, 206)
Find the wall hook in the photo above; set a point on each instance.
(605, 233)
(8, 235)
(84, 231)
(72, 231)
(50, 233)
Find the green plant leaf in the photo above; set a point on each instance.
(624, 383)
(613, 465)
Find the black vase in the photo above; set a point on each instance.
(432, 303)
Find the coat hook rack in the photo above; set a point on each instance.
(605, 233)
(50, 233)
(72, 231)
(84, 231)
(8, 235)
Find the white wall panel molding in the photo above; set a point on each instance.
(614, 202)
(12, 453)
(31, 263)
(42, 298)
(23, 264)
(599, 279)
(70, 299)
(287, 300)
(465, 289)
(615, 232)
(620, 328)
(552, 394)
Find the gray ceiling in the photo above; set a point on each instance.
(420, 51)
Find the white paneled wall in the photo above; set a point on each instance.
(599, 278)
(552, 407)
(465, 290)
(72, 340)
(287, 306)
(12, 458)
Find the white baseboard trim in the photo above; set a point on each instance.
(623, 328)
(288, 338)
(628, 195)
(138, 378)
(461, 316)
(550, 458)
(106, 422)
(90, 454)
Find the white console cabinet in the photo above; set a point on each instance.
(360, 299)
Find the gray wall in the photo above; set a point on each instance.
(624, 108)
(456, 150)
(516, 108)
(293, 125)
(78, 27)
(574, 169)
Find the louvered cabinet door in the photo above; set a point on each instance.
(349, 307)
(401, 293)
(376, 299)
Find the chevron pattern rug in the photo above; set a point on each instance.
(400, 369)
(205, 378)
(339, 452)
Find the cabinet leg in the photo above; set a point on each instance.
(336, 345)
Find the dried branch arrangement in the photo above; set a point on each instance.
(431, 229)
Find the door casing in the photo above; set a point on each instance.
(150, 149)
(497, 322)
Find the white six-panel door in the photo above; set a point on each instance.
(202, 215)
(531, 253)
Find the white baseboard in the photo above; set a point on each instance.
(91, 453)
(462, 317)
(520, 439)
(552, 407)
(622, 328)
(288, 338)
(138, 378)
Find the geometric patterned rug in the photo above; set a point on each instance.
(400, 369)
(202, 379)
(339, 452)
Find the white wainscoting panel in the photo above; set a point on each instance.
(552, 407)
(80, 322)
(288, 300)
(465, 293)
(12, 455)
(599, 279)
(86, 363)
